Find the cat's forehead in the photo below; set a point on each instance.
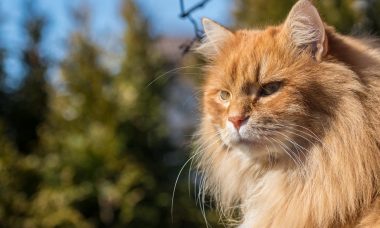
(251, 53)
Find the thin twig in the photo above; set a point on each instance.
(186, 14)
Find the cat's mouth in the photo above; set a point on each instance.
(253, 137)
(257, 140)
(248, 138)
(252, 142)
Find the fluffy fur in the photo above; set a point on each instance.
(306, 155)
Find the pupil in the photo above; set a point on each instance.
(224, 95)
(270, 88)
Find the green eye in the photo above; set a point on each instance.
(270, 88)
(224, 95)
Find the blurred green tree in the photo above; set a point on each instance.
(103, 154)
(22, 110)
(89, 180)
(25, 108)
(145, 128)
(2, 82)
(343, 14)
(259, 13)
(371, 12)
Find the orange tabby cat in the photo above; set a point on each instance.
(290, 134)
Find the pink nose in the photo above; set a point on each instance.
(237, 121)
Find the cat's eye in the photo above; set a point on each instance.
(224, 95)
(270, 88)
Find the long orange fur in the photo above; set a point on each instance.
(329, 105)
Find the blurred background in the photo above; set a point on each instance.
(99, 102)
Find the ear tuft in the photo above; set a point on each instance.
(306, 28)
(215, 36)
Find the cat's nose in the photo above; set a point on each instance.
(237, 121)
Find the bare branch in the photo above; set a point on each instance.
(192, 9)
(186, 14)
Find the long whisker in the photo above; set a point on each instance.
(176, 181)
(286, 148)
(175, 184)
(305, 128)
(294, 143)
(311, 135)
(211, 141)
(201, 193)
(189, 177)
(299, 134)
(171, 71)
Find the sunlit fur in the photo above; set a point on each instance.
(315, 159)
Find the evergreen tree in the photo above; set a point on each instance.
(371, 20)
(24, 108)
(88, 180)
(105, 144)
(260, 13)
(2, 82)
(102, 151)
(21, 112)
(145, 129)
(343, 14)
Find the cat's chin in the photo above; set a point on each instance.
(251, 148)
(251, 143)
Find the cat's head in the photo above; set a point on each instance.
(274, 89)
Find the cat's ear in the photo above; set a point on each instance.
(215, 36)
(306, 29)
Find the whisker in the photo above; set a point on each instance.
(210, 141)
(282, 145)
(305, 128)
(172, 71)
(175, 185)
(312, 136)
(176, 182)
(202, 190)
(293, 142)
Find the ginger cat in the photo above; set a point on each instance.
(290, 134)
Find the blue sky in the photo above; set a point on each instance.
(165, 14)
(106, 23)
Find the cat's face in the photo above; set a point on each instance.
(262, 94)
(251, 95)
